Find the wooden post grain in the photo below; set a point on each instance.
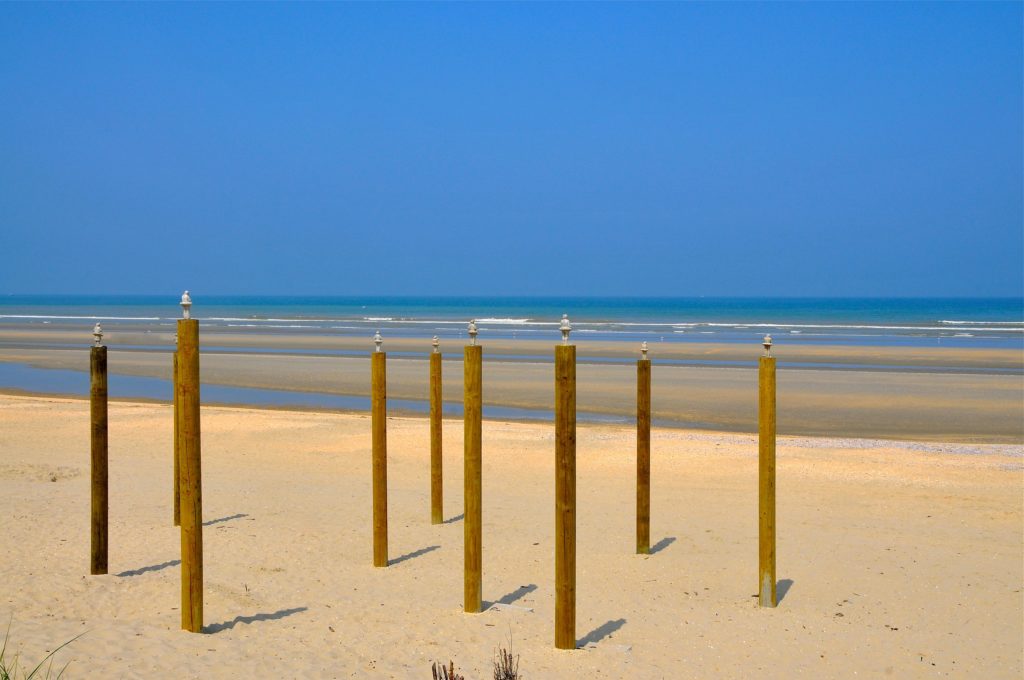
(176, 495)
(190, 477)
(378, 415)
(98, 427)
(766, 481)
(472, 476)
(436, 479)
(643, 456)
(565, 497)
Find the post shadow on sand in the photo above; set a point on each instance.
(781, 588)
(453, 520)
(224, 519)
(516, 594)
(413, 554)
(152, 567)
(662, 544)
(601, 632)
(228, 625)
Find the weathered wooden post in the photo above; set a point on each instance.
(176, 496)
(643, 452)
(98, 438)
(190, 471)
(565, 490)
(378, 417)
(472, 473)
(766, 476)
(436, 405)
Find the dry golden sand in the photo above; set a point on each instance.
(899, 559)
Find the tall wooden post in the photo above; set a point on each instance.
(176, 495)
(766, 477)
(378, 417)
(472, 474)
(98, 438)
(643, 453)
(436, 404)
(190, 470)
(565, 491)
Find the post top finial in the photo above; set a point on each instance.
(472, 332)
(565, 327)
(643, 350)
(97, 334)
(378, 341)
(186, 305)
(436, 345)
(767, 344)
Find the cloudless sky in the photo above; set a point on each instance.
(530, 149)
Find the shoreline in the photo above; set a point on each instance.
(698, 350)
(818, 401)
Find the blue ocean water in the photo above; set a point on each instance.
(961, 322)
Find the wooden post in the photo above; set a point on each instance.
(643, 454)
(436, 403)
(766, 478)
(190, 481)
(565, 492)
(378, 416)
(176, 497)
(98, 426)
(472, 476)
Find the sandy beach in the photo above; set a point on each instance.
(895, 559)
(720, 304)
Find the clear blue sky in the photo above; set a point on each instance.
(535, 149)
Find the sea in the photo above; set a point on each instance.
(954, 322)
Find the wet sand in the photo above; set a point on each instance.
(940, 394)
(895, 559)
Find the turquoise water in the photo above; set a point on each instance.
(963, 322)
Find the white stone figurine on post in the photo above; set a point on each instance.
(186, 305)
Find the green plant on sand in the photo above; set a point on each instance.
(10, 670)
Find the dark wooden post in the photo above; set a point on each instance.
(766, 477)
(436, 405)
(643, 453)
(98, 427)
(176, 495)
(378, 417)
(565, 491)
(472, 473)
(190, 470)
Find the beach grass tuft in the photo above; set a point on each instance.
(441, 672)
(506, 666)
(10, 668)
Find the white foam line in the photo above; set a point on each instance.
(845, 326)
(258, 320)
(101, 318)
(263, 325)
(1001, 323)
